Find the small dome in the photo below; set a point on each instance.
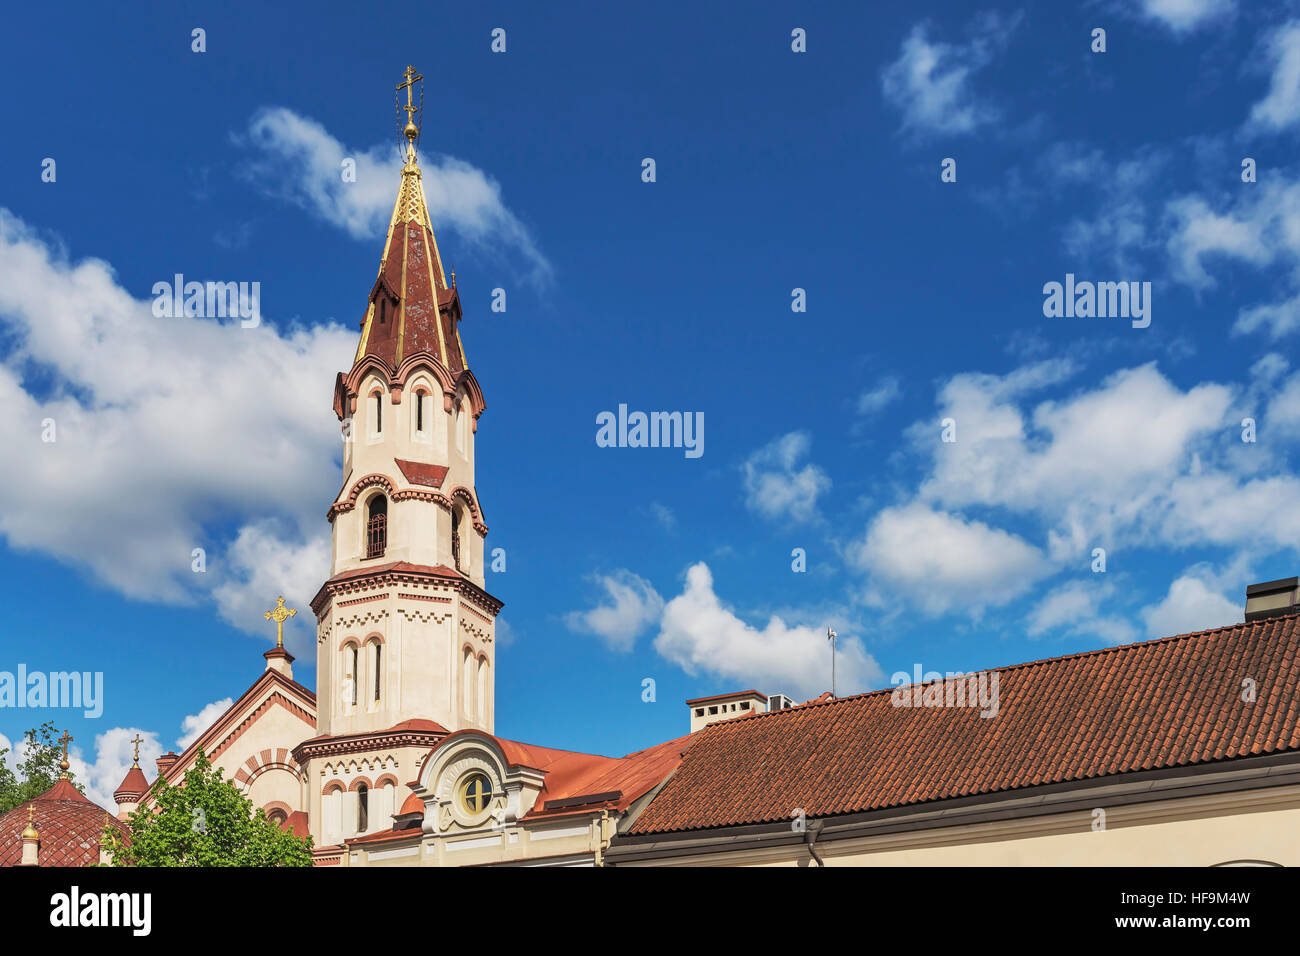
(69, 825)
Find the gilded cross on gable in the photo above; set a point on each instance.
(66, 739)
(137, 740)
(280, 614)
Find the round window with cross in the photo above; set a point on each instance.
(475, 793)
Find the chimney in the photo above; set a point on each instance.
(165, 762)
(1272, 598)
(709, 710)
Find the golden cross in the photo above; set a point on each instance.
(137, 740)
(412, 131)
(280, 614)
(66, 739)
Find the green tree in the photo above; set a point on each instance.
(38, 770)
(205, 821)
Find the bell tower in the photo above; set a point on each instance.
(405, 627)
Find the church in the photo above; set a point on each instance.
(1180, 751)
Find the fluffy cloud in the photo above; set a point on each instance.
(702, 636)
(298, 160)
(113, 750)
(632, 605)
(1074, 609)
(1184, 16)
(193, 725)
(1192, 604)
(1280, 109)
(160, 448)
(930, 81)
(776, 486)
(942, 562)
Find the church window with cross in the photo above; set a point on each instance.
(475, 793)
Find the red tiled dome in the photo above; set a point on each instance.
(134, 786)
(69, 825)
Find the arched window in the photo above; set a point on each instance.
(277, 817)
(483, 682)
(363, 808)
(421, 399)
(354, 678)
(377, 527)
(376, 662)
(379, 412)
(456, 515)
(467, 674)
(462, 428)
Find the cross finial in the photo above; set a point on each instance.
(66, 739)
(137, 740)
(280, 614)
(412, 132)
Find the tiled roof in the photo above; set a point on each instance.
(422, 473)
(133, 785)
(1172, 702)
(69, 825)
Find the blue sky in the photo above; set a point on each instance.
(775, 171)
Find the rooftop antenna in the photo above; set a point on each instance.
(830, 636)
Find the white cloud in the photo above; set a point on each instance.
(1280, 109)
(193, 725)
(930, 82)
(1075, 608)
(300, 161)
(633, 606)
(702, 636)
(160, 444)
(1199, 232)
(1278, 318)
(879, 396)
(775, 485)
(1183, 16)
(942, 562)
(664, 515)
(1191, 605)
(113, 750)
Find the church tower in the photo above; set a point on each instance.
(405, 628)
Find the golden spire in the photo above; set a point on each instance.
(280, 614)
(30, 833)
(137, 741)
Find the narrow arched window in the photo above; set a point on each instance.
(467, 681)
(484, 679)
(355, 676)
(420, 398)
(462, 428)
(379, 650)
(379, 412)
(377, 527)
(455, 536)
(363, 808)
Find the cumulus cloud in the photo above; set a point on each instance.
(113, 750)
(702, 636)
(297, 159)
(630, 607)
(193, 725)
(942, 562)
(1280, 108)
(160, 448)
(777, 486)
(1184, 16)
(1075, 609)
(1192, 604)
(930, 83)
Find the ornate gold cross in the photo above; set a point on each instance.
(137, 740)
(66, 739)
(280, 614)
(412, 131)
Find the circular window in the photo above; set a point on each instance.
(475, 793)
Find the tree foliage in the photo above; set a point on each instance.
(205, 821)
(38, 770)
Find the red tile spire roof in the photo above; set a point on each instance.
(412, 308)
